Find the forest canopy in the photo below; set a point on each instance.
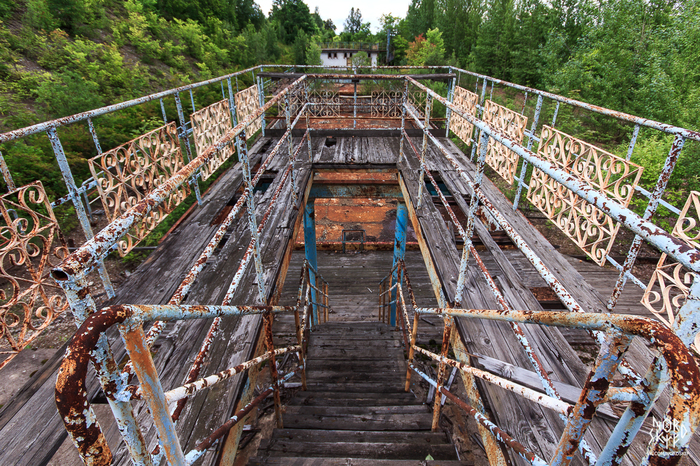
(59, 57)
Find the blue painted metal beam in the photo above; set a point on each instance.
(310, 250)
(399, 253)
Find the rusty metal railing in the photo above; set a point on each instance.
(72, 273)
(676, 366)
(71, 393)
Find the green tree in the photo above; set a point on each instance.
(293, 16)
(492, 53)
(420, 17)
(532, 27)
(313, 54)
(301, 44)
(361, 60)
(427, 51)
(459, 21)
(353, 23)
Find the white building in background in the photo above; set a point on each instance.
(341, 53)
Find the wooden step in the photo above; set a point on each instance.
(334, 410)
(353, 365)
(353, 399)
(294, 461)
(357, 387)
(381, 354)
(388, 422)
(281, 447)
(312, 435)
(355, 409)
(387, 377)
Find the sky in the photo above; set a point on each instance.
(338, 11)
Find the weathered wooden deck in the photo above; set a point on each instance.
(31, 431)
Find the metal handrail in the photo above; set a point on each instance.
(677, 366)
(71, 394)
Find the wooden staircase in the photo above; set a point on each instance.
(355, 410)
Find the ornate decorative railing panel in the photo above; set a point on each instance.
(326, 102)
(386, 103)
(126, 174)
(669, 285)
(418, 100)
(32, 244)
(465, 100)
(297, 99)
(247, 102)
(512, 124)
(587, 226)
(209, 125)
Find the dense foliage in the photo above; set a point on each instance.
(59, 57)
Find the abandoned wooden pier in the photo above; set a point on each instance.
(253, 280)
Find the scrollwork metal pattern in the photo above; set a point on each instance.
(248, 102)
(386, 104)
(466, 101)
(326, 102)
(209, 125)
(297, 99)
(31, 244)
(669, 284)
(589, 228)
(126, 174)
(418, 100)
(512, 124)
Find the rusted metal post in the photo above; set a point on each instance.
(192, 101)
(162, 111)
(6, 175)
(74, 194)
(354, 105)
(93, 133)
(270, 344)
(686, 324)
(479, 114)
(326, 300)
(592, 395)
(135, 341)
(252, 221)
(556, 112)
(404, 102)
(290, 149)
(633, 141)
(300, 342)
(399, 254)
(185, 137)
(530, 140)
(424, 148)
(311, 256)
(437, 405)
(411, 349)
(307, 115)
(450, 98)
(231, 103)
(649, 212)
(471, 216)
(261, 102)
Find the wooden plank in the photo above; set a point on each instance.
(532, 425)
(372, 450)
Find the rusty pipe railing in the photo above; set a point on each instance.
(656, 236)
(83, 260)
(679, 367)
(71, 393)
